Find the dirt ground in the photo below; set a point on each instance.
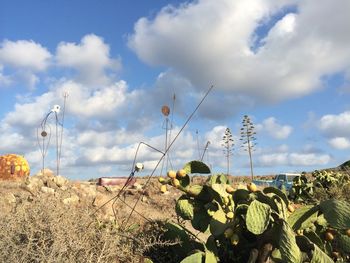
(139, 203)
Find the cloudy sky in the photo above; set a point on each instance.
(285, 63)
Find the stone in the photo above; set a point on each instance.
(10, 198)
(89, 190)
(47, 190)
(49, 182)
(60, 180)
(33, 184)
(137, 186)
(73, 199)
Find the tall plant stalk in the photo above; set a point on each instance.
(227, 143)
(248, 140)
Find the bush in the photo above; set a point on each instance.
(49, 231)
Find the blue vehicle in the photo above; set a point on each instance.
(282, 180)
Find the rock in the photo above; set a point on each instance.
(137, 186)
(33, 184)
(60, 180)
(49, 182)
(10, 198)
(47, 190)
(89, 190)
(45, 177)
(74, 199)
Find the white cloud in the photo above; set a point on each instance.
(91, 58)
(293, 159)
(215, 136)
(24, 54)
(25, 59)
(102, 102)
(30, 114)
(340, 143)
(15, 142)
(181, 151)
(275, 130)
(336, 125)
(210, 42)
(273, 159)
(108, 138)
(308, 159)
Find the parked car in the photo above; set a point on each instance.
(282, 180)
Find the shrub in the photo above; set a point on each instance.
(46, 230)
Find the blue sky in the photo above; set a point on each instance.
(280, 62)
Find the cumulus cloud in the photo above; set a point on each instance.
(335, 125)
(336, 128)
(181, 151)
(293, 159)
(25, 59)
(274, 129)
(340, 143)
(29, 115)
(211, 42)
(101, 102)
(215, 136)
(91, 58)
(24, 54)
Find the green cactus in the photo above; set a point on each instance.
(258, 217)
(290, 252)
(218, 179)
(246, 226)
(336, 213)
(196, 167)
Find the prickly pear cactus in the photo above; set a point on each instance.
(13, 166)
(252, 225)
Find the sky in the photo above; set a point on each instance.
(284, 63)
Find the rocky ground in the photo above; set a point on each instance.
(151, 203)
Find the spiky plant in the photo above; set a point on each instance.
(227, 143)
(248, 139)
(253, 225)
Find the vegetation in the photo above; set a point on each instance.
(251, 225)
(227, 143)
(46, 230)
(216, 222)
(248, 139)
(322, 185)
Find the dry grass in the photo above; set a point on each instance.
(338, 192)
(49, 231)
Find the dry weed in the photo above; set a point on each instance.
(49, 231)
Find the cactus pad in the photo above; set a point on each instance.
(218, 223)
(289, 249)
(336, 213)
(196, 167)
(185, 208)
(258, 217)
